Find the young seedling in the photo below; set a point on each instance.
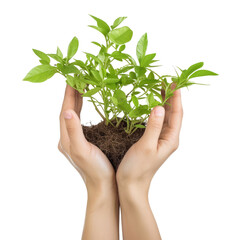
(124, 93)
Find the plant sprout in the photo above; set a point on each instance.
(97, 76)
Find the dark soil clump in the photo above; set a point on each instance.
(114, 142)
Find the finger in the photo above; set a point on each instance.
(78, 102)
(154, 127)
(74, 130)
(175, 112)
(69, 98)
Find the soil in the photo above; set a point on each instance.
(114, 142)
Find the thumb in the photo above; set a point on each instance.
(74, 129)
(154, 126)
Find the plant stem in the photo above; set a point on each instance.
(98, 110)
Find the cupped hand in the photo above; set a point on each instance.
(89, 160)
(159, 141)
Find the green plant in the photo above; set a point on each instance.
(97, 75)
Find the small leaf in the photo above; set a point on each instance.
(72, 48)
(118, 21)
(140, 71)
(193, 68)
(121, 35)
(125, 69)
(147, 59)
(101, 24)
(114, 100)
(59, 53)
(42, 55)
(43, 62)
(96, 43)
(101, 30)
(56, 57)
(40, 73)
(148, 81)
(120, 96)
(150, 99)
(201, 73)
(111, 80)
(139, 111)
(91, 92)
(70, 80)
(125, 107)
(66, 69)
(139, 126)
(96, 75)
(122, 48)
(111, 69)
(135, 100)
(80, 63)
(142, 47)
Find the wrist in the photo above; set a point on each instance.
(133, 193)
(102, 192)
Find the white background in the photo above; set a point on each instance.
(195, 194)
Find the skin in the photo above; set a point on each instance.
(130, 186)
(102, 212)
(141, 162)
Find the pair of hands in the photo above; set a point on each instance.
(142, 160)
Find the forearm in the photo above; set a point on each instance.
(102, 216)
(138, 222)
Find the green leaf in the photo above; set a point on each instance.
(147, 59)
(96, 75)
(101, 30)
(91, 92)
(66, 69)
(125, 69)
(72, 48)
(120, 96)
(142, 47)
(157, 94)
(59, 53)
(111, 69)
(125, 80)
(114, 100)
(125, 107)
(201, 73)
(43, 62)
(102, 25)
(119, 56)
(118, 21)
(139, 111)
(80, 63)
(139, 126)
(56, 57)
(150, 99)
(42, 55)
(111, 80)
(140, 71)
(193, 68)
(148, 81)
(40, 73)
(135, 100)
(121, 35)
(122, 48)
(70, 80)
(96, 43)
(89, 55)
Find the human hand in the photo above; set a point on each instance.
(89, 160)
(159, 141)
(139, 165)
(102, 214)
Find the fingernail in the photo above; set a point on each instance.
(158, 111)
(67, 115)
